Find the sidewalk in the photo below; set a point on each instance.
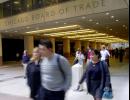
(13, 86)
(12, 97)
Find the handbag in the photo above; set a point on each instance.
(107, 93)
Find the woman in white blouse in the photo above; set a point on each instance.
(77, 70)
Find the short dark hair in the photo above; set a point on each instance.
(97, 53)
(46, 42)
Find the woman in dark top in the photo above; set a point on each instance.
(97, 76)
(25, 60)
(33, 74)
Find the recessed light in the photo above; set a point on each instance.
(90, 20)
(112, 16)
(16, 2)
(56, 22)
(107, 13)
(111, 29)
(123, 25)
(116, 20)
(83, 17)
(64, 23)
(81, 28)
(97, 23)
(28, 5)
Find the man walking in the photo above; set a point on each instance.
(56, 73)
(105, 55)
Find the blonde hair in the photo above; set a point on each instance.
(34, 58)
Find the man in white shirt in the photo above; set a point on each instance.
(105, 55)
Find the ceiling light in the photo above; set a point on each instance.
(97, 23)
(107, 13)
(83, 17)
(112, 17)
(126, 27)
(28, 5)
(56, 22)
(111, 29)
(123, 25)
(90, 20)
(64, 23)
(116, 20)
(16, 2)
(55, 29)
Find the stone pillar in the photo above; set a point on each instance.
(1, 61)
(94, 45)
(77, 45)
(53, 43)
(85, 44)
(66, 48)
(91, 44)
(98, 45)
(29, 44)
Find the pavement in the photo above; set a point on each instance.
(13, 86)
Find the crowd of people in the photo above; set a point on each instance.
(50, 75)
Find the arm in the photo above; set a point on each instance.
(83, 78)
(65, 66)
(108, 52)
(28, 74)
(85, 75)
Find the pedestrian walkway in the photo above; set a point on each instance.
(13, 86)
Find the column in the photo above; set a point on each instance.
(91, 44)
(66, 48)
(78, 44)
(94, 45)
(1, 49)
(98, 45)
(29, 44)
(85, 44)
(53, 43)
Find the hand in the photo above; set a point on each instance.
(106, 89)
(78, 87)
